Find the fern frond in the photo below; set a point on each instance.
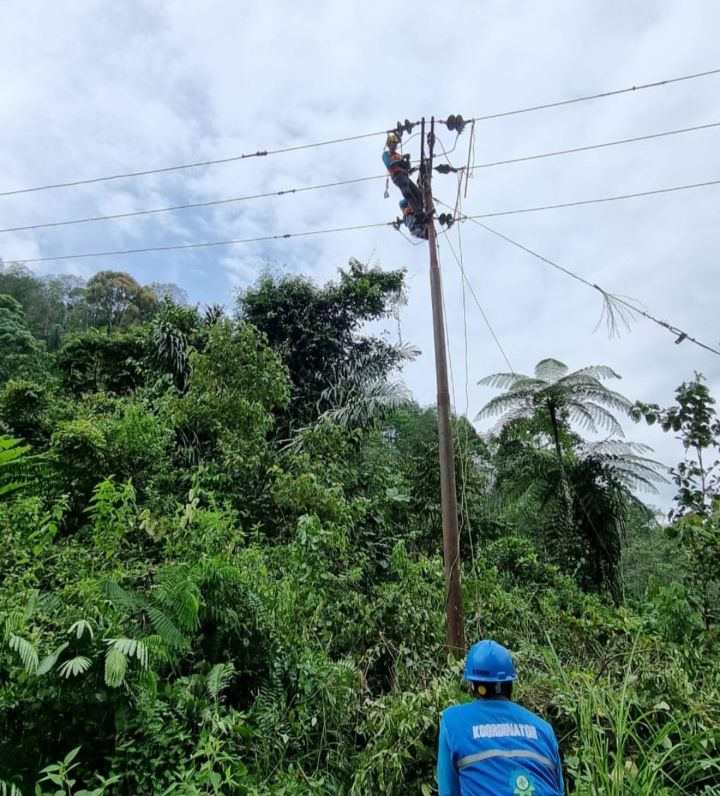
(80, 627)
(130, 647)
(121, 597)
(219, 679)
(550, 370)
(115, 667)
(14, 622)
(26, 651)
(75, 666)
(165, 627)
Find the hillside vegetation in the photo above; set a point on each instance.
(222, 564)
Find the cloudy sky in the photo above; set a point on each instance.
(93, 88)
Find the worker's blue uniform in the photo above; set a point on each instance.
(398, 168)
(495, 747)
(417, 228)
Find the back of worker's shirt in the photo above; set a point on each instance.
(497, 747)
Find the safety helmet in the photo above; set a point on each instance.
(393, 138)
(403, 203)
(489, 662)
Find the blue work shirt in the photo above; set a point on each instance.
(495, 747)
(395, 162)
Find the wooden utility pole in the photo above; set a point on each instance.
(448, 495)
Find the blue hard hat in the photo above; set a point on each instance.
(489, 662)
(403, 203)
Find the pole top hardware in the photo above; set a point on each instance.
(404, 127)
(455, 122)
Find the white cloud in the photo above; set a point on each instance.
(92, 88)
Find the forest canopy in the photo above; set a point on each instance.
(222, 550)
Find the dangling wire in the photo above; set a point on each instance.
(464, 519)
(471, 156)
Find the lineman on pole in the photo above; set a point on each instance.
(398, 167)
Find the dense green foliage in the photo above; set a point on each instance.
(221, 560)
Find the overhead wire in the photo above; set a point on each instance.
(474, 217)
(210, 203)
(345, 139)
(607, 296)
(600, 200)
(468, 169)
(183, 166)
(478, 304)
(599, 95)
(204, 244)
(588, 147)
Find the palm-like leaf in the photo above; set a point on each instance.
(361, 392)
(579, 397)
(550, 370)
(11, 457)
(74, 666)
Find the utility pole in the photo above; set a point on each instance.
(448, 495)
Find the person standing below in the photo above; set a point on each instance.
(493, 746)
(398, 167)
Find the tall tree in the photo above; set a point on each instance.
(582, 490)
(21, 354)
(559, 398)
(317, 329)
(694, 419)
(118, 301)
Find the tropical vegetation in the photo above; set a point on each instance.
(222, 564)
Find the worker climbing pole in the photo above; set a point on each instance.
(418, 216)
(448, 495)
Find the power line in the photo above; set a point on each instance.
(216, 202)
(479, 305)
(595, 146)
(205, 244)
(188, 206)
(674, 330)
(267, 152)
(461, 217)
(601, 95)
(600, 200)
(199, 164)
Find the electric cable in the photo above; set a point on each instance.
(674, 330)
(600, 95)
(467, 170)
(298, 147)
(581, 202)
(198, 164)
(464, 217)
(477, 302)
(204, 244)
(188, 206)
(589, 147)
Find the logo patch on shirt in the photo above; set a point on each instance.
(522, 783)
(506, 729)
